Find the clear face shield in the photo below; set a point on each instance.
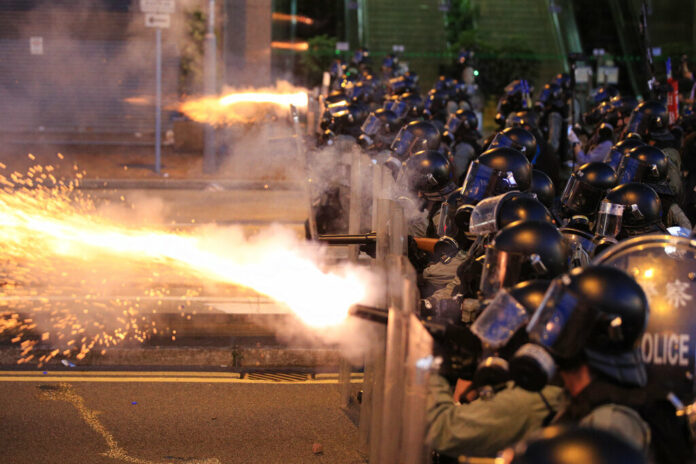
(372, 125)
(503, 269)
(499, 322)
(403, 142)
(399, 108)
(561, 323)
(580, 196)
(453, 123)
(613, 158)
(609, 219)
(484, 217)
(482, 181)
(633, 170)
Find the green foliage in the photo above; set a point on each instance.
(317, 58)
(497, 64)
(192, 50)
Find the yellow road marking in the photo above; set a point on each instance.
(154, 377)
(66, 393)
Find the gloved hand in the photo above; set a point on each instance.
(459, 349)
(572, 138)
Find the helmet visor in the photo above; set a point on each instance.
(501, 269)
(635, 124)
(338, 108)
(482, 181)
(580, 196)
(484, 217)
(502, 140)
(403, 142)
(613, 158)
(630, 170)
(609, 219)
(453, 123)
(372, 125)
(560, 324)
(400, 109)
(500, 320)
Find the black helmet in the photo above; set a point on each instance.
(381, 120)
(518, 138)
(595, 314)
(624, 104)
(560, 445)
(521, 251)
(429, 173)
(605, 132)
(461, 125)
(414, 137)
(435, 106)
(620, 149)
(494, 213)
(586, 188)
(562, 80)
(551, 97)
(605, 94)
(643, 163)
(402, 84)
(497, 171)
(414, 102)
(543, 188)
(597, 114)
(628, 210)
(649, 120)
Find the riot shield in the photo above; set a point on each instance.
(665, 267)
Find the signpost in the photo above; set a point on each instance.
(157, 15)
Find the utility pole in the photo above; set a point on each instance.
(210, 90)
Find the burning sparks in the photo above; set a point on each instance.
(245, 106)
(65, 264)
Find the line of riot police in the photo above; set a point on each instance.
(563, 269)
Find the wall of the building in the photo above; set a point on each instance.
(247, 43)
(418, 25)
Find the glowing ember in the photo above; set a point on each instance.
(245, 106)
(55, 242)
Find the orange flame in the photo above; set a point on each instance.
(46, 232)
(245, 106)
(297, 18)
(296, 46)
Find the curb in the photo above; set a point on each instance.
(187, 184)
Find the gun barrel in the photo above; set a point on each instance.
(370, 313)
(345, 239)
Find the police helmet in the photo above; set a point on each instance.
(543, 188)
(521, 251)
(497, 171)
(429, 173)
(629, 209)
(414, 137)
(586, 188)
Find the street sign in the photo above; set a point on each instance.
(160, 20)
(36, 45)
(157, 6)
(342, 46)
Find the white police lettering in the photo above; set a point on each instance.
(666, 348)
(677, 293)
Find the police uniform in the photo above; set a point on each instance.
(607, 406)
(484, 427)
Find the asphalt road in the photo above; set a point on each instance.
(178, 418)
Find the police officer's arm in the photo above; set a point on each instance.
(555, 122)
(677, 217)
(483, 427)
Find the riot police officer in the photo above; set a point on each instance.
(503, 414)
(462, 135)
(629, 210)
(585, 189)
(589, 326)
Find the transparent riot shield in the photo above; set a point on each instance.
(665, 267)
